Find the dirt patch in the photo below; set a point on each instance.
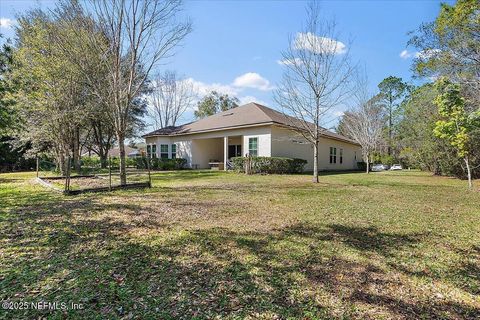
(81, 183)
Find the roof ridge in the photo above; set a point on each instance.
(262, 108)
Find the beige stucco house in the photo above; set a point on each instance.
(249, 129)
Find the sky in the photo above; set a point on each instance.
(235, 46)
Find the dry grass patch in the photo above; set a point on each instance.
(212, 244)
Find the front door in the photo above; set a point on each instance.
(234, 151)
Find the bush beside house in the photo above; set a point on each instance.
(269, 164)
(162, 164)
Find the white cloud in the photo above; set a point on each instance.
(338, 113)
(248, 80)
(405, 54)
(202, 88)
(425, 54)
(6, 23)
(248, 99)
(286, 62)
(252, 80)
(317, 44)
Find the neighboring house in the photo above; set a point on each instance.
(129, 151)
(138, 150)
(249, 129)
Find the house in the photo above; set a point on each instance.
(131, 152)
(249, 129)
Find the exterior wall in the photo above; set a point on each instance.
(264, 143)
(200, 148)
(349, 151)
(287, 143)
(158, 141)
(205, 151)
(290, 144)
(184, 150)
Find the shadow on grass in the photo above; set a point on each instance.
(50, 254)
(186, 175)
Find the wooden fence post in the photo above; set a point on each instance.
(67, 176)
(37, 165)
(109, 173)
(148, 168)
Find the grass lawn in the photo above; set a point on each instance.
(389, 245)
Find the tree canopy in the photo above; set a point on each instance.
(214, 103)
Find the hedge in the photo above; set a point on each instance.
(270, 164)
(162, 164)
(94, 162)
(361, 165)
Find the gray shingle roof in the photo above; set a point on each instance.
(245, 115)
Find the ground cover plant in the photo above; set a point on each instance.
(206, 244)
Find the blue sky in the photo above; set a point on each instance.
(235, 46)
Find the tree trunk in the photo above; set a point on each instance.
(76, 151)
(315, 162)
(368, 163)
(121, 147)
(103, 155)
(61, 164)
(469, 173)
(103, 161)
(390, 124)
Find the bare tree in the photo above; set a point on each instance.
(316, 79)
(171, 96)
(365, 122)
(141, 34)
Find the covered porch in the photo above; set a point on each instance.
(215, 153)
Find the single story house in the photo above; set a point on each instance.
(249, 129)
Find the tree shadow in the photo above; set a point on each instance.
(371, 239)
(62, 251)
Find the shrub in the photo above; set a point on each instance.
(180, 163)
(130, 162)
(362, 165)
(161, 164)
(270, 164)
(91, 162)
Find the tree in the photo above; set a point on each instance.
(215, 103)
(140, 34)
(316, 78)
(419, 114)
(392, 91)
(170, 98)
(456, 125)
(51, 94)
(450, 47)
(7, 110)
(365, 122)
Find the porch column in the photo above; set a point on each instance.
(225, 152)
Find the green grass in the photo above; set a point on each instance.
(203, 244)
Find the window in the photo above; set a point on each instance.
(253, 147)
(164, 151)
(341, 156)
(355, 155)
(333, 155)
(152, 151)
(174, 151)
